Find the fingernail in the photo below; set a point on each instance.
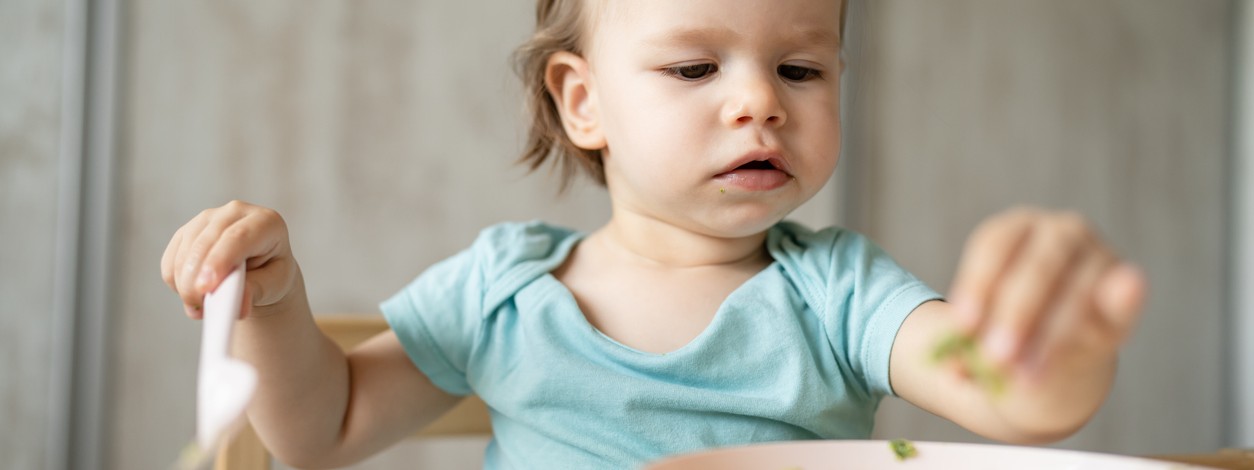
(999, 345)
(191, 311)
(205, 277)
(188, 269)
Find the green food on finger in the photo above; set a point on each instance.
(964, 349)
(903, 449)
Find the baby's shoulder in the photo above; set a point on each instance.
(532, 245)
(833, 265)
(526, 235)
(790, 241)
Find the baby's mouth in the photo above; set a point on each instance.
(757, 165)
(758, 162)
(755, 175)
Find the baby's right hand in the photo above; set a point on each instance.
(206, 249)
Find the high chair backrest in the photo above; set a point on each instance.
(470, 417)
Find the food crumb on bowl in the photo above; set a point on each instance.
(903, 449)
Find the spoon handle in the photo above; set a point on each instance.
(221, 310)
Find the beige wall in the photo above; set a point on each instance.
(1115, 108)
(30, 124)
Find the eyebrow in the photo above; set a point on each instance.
(685, 36)
(820, 37)
(689, 36)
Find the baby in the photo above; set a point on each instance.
(696, 317)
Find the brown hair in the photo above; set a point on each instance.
(560, 27)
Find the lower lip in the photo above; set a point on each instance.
(755, 180)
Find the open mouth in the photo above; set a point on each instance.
(763, 174)
(757, 165)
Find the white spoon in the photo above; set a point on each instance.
(225, 385)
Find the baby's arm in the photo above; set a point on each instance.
(314, 406)
(1049, 305)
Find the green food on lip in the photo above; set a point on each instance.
(903, 449)
(966, 351)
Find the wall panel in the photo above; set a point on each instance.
(31, 45)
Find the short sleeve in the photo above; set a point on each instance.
(437, 318)
(860, 293)
(875, 347)
(881, 294)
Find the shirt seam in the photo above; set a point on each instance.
(878, 323)
(445, 371)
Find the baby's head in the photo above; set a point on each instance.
(637, 94)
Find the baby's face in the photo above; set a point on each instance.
(720, 116)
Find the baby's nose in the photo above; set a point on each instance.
(756, 100)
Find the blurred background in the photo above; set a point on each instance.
(385, 131)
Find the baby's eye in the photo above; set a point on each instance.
(691, 72)
(797, 73)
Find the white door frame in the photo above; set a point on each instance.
(84, 236)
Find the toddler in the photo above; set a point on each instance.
(696, 317)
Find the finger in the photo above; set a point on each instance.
(1072, 324)
(984, 259)
(272, 281)
(1032, 283)
(182, 265)
(167, 259)
(254, 239)
(194, 274)
(266, 285)
(1120, 297)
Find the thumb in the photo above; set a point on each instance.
(268, 284)
(1120, 297)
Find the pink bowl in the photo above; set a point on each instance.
(875, 455)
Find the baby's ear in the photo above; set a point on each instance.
(569, 83)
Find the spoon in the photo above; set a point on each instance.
(225, 385)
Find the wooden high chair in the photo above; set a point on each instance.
(470, 417)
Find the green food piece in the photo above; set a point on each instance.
(903, 449)
(953, 344)
(965, 350)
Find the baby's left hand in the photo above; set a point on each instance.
(1039, 289)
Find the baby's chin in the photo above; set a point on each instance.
(741, 222)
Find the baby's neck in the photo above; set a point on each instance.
(658, 245)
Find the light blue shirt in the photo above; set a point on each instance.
(799, 351)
